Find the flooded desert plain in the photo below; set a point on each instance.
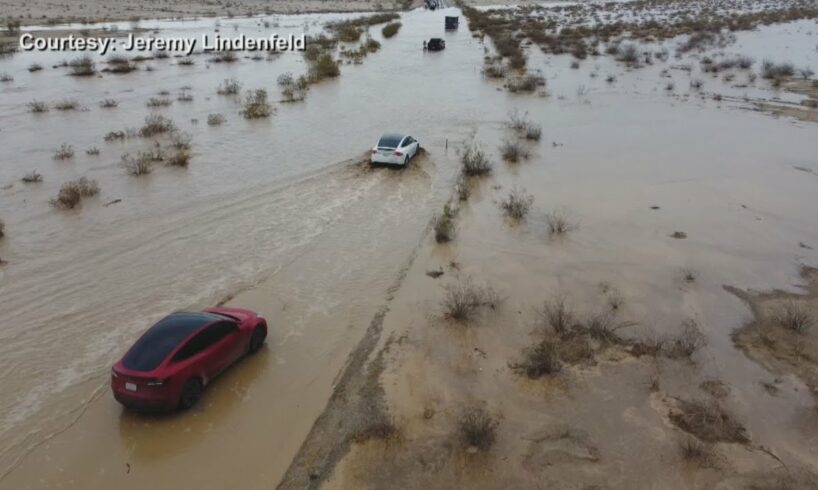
(600, 272)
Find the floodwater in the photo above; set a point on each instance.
(279, 216)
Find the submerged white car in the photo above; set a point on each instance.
(394, 149)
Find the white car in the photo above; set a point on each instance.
(394, 149)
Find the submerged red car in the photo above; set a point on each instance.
(172, 362)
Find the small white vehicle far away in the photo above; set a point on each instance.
(394, 149)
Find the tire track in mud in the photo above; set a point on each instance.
(357, 398)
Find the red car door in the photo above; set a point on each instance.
(227, 346)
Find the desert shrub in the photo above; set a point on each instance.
(67, 105)
(462, 189)
(696, 451)
(36, 106)
(224, 57)
(256, 105)
(526, 83)
(708, 421)
(142, 164)
(688, 342)
(292, 89)
(604, 328)
(391, 29)
(312, 52)
(495, 69)
(35, 67)
(444, 225)
(115, 135)
(794, 316)
(513, 151)
(557, 315)
(744, 62)
(2, 229)
(805, 73)
(5, 78)
(120, 64)
(159, 102)
(64, 152)
(539, 360)
(773, 71)
(186, 62)
(32, 177)
(215, 119)
(72, 192)
(349, 33)
(230, 86)
(464, 299)
(179, 158)
(185, 96)
(155, 124)
(533, 132)
(517, 204)
(688, 275)
(517, 121)
(108, 103)
(475, 161)
(180, 141)
(324, 67)
(93, 151)
(477, 428)
(559, 222)
(628, 54)
(82, 66)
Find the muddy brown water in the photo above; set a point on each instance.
(279, 216)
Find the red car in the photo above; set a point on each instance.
(169, 366)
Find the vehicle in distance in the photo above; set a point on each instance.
(172, 362)
(394, 149)
(451, 22)
(436, 44)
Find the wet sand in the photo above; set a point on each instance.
(336, 255)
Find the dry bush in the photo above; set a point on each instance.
(186, 62)
(650, 346)
(539, 360)
(293, 89)
(156, 124)
(688, 275)
(391, 29)
(108, 103)
(444, 225)
(64, 152)
(628, 54)
(215, 119)
(533, 132)
(32, 177)
(513, 151)
(115, 135)
(558, 315)
(708, 421)
(36, 106)
(180, 158)
(464, 299)
(794, 316)
(688, 342)
(230, 86)
(696, 451)
(495, 69)
(517, 204)
(462, 189)
(323, 67)
(559, 222)
(67, 105)
(256, 105)
(2, 231)
(516, 121)
(82, 66)
(349, 33)
(526, 83)
(224, 57)
(185, 96)
(141, 164)
(35, 67)
(93, 151)
(180, 140)
(72, 192)
(159, 102)
(6, 78)
(773, 71)
(475, 161)
(603, 327)
(477, 428)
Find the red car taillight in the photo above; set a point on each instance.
(398, 154)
